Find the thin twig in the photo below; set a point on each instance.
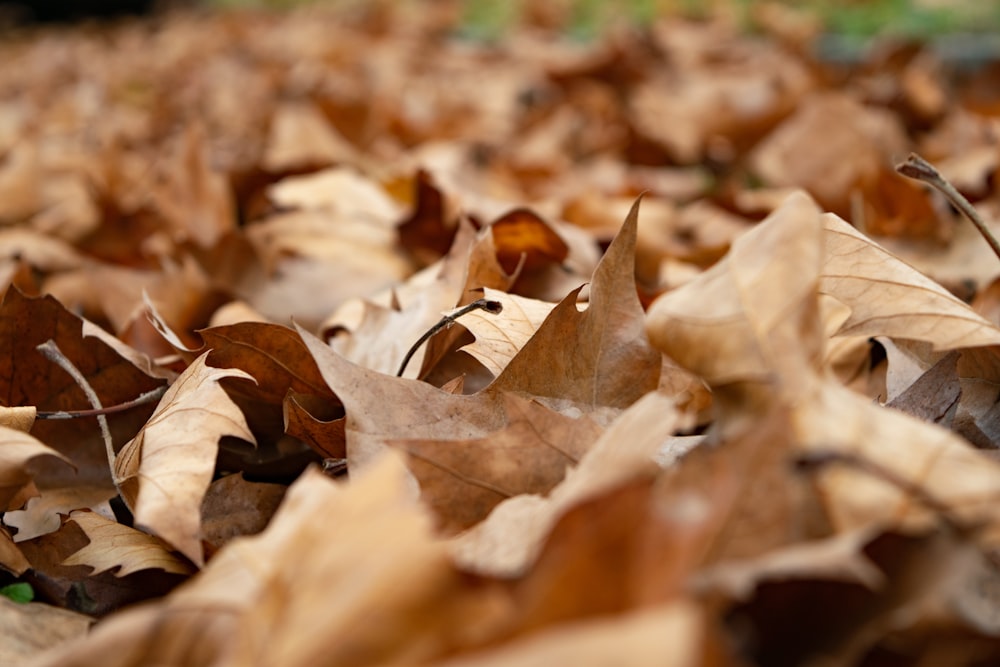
(52, 352)
(479, 304)
(920, 169)
(148, 397)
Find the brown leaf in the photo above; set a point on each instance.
(462, 480)
(598, 358)
(114, 545)
(165, 470)
(234, 506)
(507, 542)
(522, 239)
(29, 379)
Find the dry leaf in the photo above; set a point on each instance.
(17, 451)
(462, 480)
(30, 629)
(500, 336)
(888, 298)
(165, 470)
(750, 318)
(598, 358)
(114, 545)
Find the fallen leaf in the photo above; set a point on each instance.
(598, 358)
(748, 318)
(42, 514)
(462, 480)
(31, 628)
(114, 545)
(668, 634)
(500, 336)
(17, 451)
(165, 470)
(888, 298)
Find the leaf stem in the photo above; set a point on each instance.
(488, 305)
(920, 169)
(52, 352)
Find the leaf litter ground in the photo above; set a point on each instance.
(739, 406)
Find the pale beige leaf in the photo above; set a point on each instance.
(887, 297)
(17, 451)
(165, 470)
(753, 315)
(41, 515)
(114, 545)
(501, 336)
(18, 418)
(915, 453)
(665, 635)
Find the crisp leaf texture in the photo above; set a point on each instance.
(114, 545)
(166, 469)
(499, 337)
(600, 357)
(889, 298)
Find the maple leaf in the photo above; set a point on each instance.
(164, 471)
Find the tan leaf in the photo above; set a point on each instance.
(41, 515)
(18, 418)
(499, 337)
(916, 455)
(665, 635)
(750, 317)
(11, 558)
(506, 543)
(17, 451)
(114, 545)
(889, 298)
(462, 480)
(165, 470)
(254, 599)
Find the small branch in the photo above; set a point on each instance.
(920, 169)
(148, 397)
(446, 321)
(52, 352)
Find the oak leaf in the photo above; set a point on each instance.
(165, 470)
(600, 357)
(114, 545)
(500, 336)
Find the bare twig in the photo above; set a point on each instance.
(148, 397)
(920, 169)
(479, 304)
(52, 352)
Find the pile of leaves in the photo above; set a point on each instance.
(714, 424)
